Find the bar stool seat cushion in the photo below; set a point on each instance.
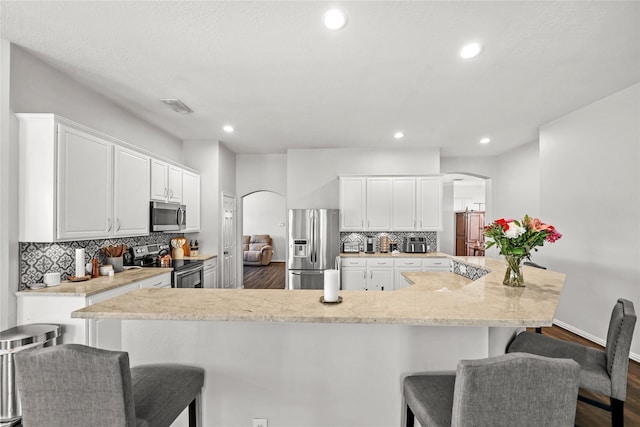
(162, 391)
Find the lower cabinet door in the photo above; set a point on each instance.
(354, 279)
(380, 279)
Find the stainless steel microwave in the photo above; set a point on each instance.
(168, 216)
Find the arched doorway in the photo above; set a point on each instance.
(265, 213)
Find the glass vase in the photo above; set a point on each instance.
(513, 276)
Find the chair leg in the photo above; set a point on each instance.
(193, 417)
(617, 412)
(410, 417)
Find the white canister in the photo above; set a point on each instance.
(331, 285)
(51, 279)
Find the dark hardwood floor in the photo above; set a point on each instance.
(270, 276)
(590, 416)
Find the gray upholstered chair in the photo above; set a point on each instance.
(508, 390)
(78, 386)
(602, 372)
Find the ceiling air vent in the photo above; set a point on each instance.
(177, 106)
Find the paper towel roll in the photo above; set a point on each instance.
(80, 271)
(331, 285)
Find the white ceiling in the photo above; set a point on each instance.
(284, 81)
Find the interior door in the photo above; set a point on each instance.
(228, 241)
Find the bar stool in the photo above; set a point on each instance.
(515, 389)
(74, 385)
(603, 372)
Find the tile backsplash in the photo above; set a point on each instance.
(36, 259)
(361, 237)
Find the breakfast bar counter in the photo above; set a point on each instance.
(443, 299)
(284, 356)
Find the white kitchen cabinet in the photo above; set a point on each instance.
(380, 276)
(403, 204)
(391, 203)
(131, 181)
(85, 185)
(403, 265)
(191, 199)
(429, 203)
(210, 273)
(378, 205)
(166, 182)
(436, 264)
(352, 203)
(354, 274)
(104, 333)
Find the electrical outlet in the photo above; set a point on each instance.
(260, 422)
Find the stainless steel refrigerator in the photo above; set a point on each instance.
(314, 246)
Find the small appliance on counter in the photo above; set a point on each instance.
(415, 245)
(383, 242)
(350, 248)
(370, 248)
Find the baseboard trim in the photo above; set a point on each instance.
(590, 337)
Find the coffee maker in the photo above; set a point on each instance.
(370, 247)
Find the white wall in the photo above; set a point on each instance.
(312, 174)
(447, 238)
(39, 88)
(516, 184)
(590, 180)
(202, 155)
(255, 172)
(265, 212)
(9, 247)
(478, 166)
(467, 195)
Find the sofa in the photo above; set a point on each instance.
(257, 249)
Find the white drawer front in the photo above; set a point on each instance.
(436, 263)
(379, 262)
(408, 262)
(354, 262)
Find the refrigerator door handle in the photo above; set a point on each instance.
(314, 255)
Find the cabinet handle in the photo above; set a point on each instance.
(117, 224)
(364, 275)
(362, 223)
(165, 192)
(409, 263)
(108, 224)
(171, 195)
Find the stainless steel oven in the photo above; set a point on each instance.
(187, 274)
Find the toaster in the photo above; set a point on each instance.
(349, 248)
(415, 245)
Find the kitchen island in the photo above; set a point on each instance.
(284, 356)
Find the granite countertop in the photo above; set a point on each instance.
(434, 299)
(391, 255)
(201, 257)
(97, 285)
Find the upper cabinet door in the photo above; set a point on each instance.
(174, 184)
(430, 203)
(378, 204)
(191, 199)
(352, 204)
(85, 185)
(404, 204)
(131, 205)
(159, 189)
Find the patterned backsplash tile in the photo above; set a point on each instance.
(361, 237)
(472, 272)
(36, 259)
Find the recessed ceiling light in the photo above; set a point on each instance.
(177, 105)
(228, 128)
(470, 51)
(334, 19)
(485, 140)
(398, 135)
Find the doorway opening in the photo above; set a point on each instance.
(264, 240)
(464, 209)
